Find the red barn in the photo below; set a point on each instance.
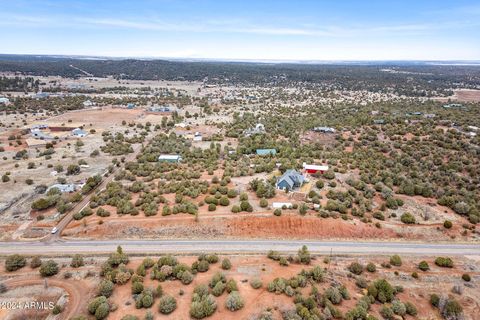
(312, 168)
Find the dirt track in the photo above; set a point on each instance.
(76, 293)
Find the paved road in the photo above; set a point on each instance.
(236, 246)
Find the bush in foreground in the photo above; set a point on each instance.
(49, 268)
(234, 301)
(15, 262)
(167, 304)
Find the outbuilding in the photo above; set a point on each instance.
(313, 168)
(173, 158)
(77, 132)
(265, 152)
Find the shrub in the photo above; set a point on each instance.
(203, 304)
(231, 286)
(186, 277)
(217, 277)
(167, 304)
(137, 287)
(256, 283)
(447, 224)
(102, 213)
(434, 300)
(35, 262)
(304, 255)
(99, 307)
(444, 262)
(234, 301)
(423, 265)
(466, 277)
(105, 288)
(277, 212)
(334, 295)
(283, 261)
(57, 309)
(274, 255)
(202, 266)
(355, 268)
(361, 282)
(129, 317)
(395, 260)
(399, 308)
(263, 203)
(318, 274)
(387, 313)
(411, 309)
(212, 258)
(226, 264)
(407, 218)
(381, 290)
(3, 288)
(452, 309)
(15, 262)
(49, 269)
(102, 311)
(218, 289)
(77, 261)
(371, 267)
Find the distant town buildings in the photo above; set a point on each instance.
(41, 95)
(161, 109)
(258, 129)
(88, 103)
(453, 106)
(324, 129)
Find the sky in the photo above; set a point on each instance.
(244, 30)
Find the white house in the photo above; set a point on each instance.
(197, 136)
(4, 100)
(77, 132)
(88, 103)
(64, 188)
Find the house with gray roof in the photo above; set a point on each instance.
(290, 180)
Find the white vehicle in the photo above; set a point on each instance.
(54, 230)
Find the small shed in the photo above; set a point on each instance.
(265, 152)
(312, 168)
(172, 158)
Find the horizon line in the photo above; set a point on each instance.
(259, 60)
